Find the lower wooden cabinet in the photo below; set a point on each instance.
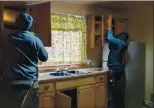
(62, 101)
(101, 95)
(47, 100)
(93, 95)
(86, 96)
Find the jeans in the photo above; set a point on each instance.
(116, 89)
(12, 95)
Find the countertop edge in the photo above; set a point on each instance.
(72, 77)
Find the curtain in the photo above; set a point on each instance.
(68, 39)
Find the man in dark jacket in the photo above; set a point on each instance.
(21, 51)
(116, 65)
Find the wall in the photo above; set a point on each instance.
(141, 29)
(79, 8)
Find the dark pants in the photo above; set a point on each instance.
(116, 89)
(13, 95)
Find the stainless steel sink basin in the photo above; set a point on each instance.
(76, 72)
(92, 69)
(59, 74)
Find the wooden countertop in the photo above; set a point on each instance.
(45, 77)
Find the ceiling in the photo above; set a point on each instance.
(105, 4)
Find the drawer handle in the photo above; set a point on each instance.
(46, 87)
(101, 78)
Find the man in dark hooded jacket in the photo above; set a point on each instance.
(21, 51)
(116, 65)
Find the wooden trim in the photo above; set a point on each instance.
(74, 83)
(1, 16)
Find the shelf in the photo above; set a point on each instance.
(98, 34)
(98, 22)
(10, 25)
(98, 18)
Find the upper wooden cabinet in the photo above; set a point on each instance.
(95, 30)
(40, 13)
(97, 27)
(42, 21)
(121, 25)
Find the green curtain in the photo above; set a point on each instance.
(68, 39)
(66, 22)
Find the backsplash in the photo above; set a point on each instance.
(49, 61)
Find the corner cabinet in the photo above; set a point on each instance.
(41, 14)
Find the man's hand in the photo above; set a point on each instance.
(109, 29)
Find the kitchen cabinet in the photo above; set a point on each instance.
(42, 21)
(40, 12)
(46, 100)
(101, 91)
(47, 95)
(101, 95)
(95, 30)
(121, 25)
(62, 101)
(86, 96)
(89, 92)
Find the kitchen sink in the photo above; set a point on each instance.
(76, 72)
(59, 74)
(92, 69)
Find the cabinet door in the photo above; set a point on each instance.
(63, 101)
(42, 22)
(121, 26)
(47, 100)
(90, 31)
(107, 21)
(103, 31)
(101, 95)
(86, 96)
(107, 24)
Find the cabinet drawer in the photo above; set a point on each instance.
(101, 78)
(46, 87)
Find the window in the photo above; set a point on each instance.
(68, 39)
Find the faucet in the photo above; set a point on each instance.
(63, 69)
(66, 68)
(89, 63)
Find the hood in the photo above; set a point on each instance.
(28, 19)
